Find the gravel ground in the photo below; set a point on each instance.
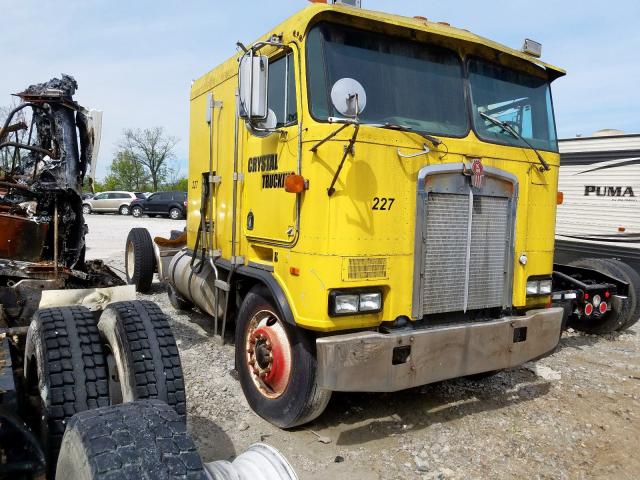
(572, 415)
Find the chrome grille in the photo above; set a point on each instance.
(454, 249)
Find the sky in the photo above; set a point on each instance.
(135, 59)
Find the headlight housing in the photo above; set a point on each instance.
(354, 302)
(540, 286)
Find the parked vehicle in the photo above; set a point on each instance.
(166, 204)
(88, 196)
(600, 214)
(110, 202)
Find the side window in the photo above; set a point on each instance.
(282, 90)
(102, 196)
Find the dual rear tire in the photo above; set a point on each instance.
(76, 363)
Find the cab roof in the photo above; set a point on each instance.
(297, 25)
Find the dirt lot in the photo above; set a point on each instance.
(573, 415)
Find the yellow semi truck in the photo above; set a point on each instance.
(372, 200)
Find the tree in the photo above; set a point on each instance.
(152, 148)
(127, 173)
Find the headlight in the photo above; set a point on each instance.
(370, 302)
(545, 287)
(346, 304)
(539, 287)
(353, 302)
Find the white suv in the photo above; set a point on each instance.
(110, 202)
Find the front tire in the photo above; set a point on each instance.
(86, 209)
(276, 364)
(136, 212)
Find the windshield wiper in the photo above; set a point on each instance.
(505, 127)
(394, 126)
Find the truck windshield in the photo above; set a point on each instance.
(408, 83)
(520, 100)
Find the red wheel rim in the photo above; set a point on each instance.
(268, 354)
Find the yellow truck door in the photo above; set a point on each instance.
(269, 211)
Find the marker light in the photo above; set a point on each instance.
(532, 48)
(588, 309)
(603, 307)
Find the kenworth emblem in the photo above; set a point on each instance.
(477, 173)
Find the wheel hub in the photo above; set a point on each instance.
(268, 355)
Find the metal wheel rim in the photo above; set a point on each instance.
(270, 373)
(86, 210)
(131, 260)
(136, 212)
(124, 210)
(174, 214)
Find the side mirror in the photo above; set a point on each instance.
(253, 78)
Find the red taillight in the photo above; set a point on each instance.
(586, 296)
(607, 294)
(603, 307)
(185, 203)
(588, 309)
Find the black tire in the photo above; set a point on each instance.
(614, 319)
(175, 214)
(137, 212)
(86, 209)
(177, 301)
(301, 401)
(140, 259)
(141, 440)
(139, 340)
(124, 210)
(65, 358)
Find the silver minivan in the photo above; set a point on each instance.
(110, 202)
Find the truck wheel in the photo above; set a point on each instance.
(141, 440)
(142, 355)
(276, 364)
(65, 372)
(177, 301)
(140, 259)
(614, 319)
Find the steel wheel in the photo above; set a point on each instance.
(268, 354)
(131, 260)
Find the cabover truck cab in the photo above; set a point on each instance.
(372, 199)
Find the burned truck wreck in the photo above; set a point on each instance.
(48, 147)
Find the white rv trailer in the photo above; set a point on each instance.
(600, 215)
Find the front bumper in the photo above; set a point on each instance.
(363, 361)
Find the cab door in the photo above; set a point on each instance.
(269, 211)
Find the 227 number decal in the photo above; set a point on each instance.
(382, 203)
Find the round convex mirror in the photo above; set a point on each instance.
(267, 126)
(349, 97)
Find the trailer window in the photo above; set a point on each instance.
(407, 83)
(521, 100)
(282, 90)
